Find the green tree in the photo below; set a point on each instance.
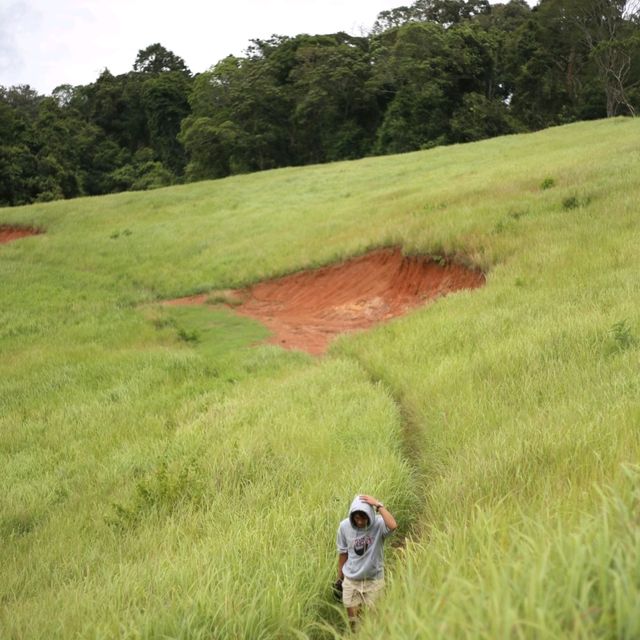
(156, 59)
(18, 175)
(37, 154)
(548, 68)
(610, 30)
(115, 104)
(166, 102)
(335, 113)
(444, 12)
(210, 146)
(56, 130)
(427, 70)
(479, 117)
(449, 12)
(242, 111)
(412, 81)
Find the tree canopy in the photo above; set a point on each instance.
(431, 73)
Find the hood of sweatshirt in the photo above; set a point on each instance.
(360, 505)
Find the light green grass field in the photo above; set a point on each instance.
(162, 476)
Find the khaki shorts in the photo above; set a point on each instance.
(361, 592)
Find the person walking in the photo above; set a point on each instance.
(360, 541)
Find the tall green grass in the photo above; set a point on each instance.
(162, 477)
(219, 529)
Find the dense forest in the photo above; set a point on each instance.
(432, 73)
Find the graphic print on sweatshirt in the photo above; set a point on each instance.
(360, 545)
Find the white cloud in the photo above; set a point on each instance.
(14, 19)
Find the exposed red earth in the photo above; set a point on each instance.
(9, 233)
(306, 310)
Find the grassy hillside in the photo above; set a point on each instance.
(162, 477)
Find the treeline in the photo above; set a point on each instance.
(436, 72)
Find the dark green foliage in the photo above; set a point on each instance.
(116, 134)
(334, 111)
(622, 335)
(17, 525)
(141, 173)
(620, 338)
(431, 73)
(165, 102)
(411, 74)
(479, 117)
(573, 202)
(239, 120)
(444, 12)
(172, 483)
(188, 336)
(291, 101)
(155, 59)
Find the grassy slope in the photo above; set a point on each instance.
(124, 511)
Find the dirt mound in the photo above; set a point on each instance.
(9, 233)
(307, 309)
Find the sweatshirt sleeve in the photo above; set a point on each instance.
(341, 541)
(383, 527)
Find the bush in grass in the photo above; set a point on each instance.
(188, 336)
(573, 202)
(622, 337)
(547, 183)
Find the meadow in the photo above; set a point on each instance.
(166, 475)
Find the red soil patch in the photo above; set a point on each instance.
(307, 309)
(9, 233)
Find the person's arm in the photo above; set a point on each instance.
(342, 558)
(389, 520)
(343, 552)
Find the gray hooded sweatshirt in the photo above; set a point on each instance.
(364, 547)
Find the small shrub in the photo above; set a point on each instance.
(573, 202)
(547, 183)
(163, 322)
(19, 524)
(569, 203)
(116, 234)
(170, 485)
(49, 196)
(188, 336)
(505, 223)
(622, 336)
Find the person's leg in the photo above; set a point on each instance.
(352, 599)
(372, 591)
(353, 613)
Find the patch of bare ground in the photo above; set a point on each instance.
(306, 310)
(9, 233)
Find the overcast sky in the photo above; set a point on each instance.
(46, 43)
